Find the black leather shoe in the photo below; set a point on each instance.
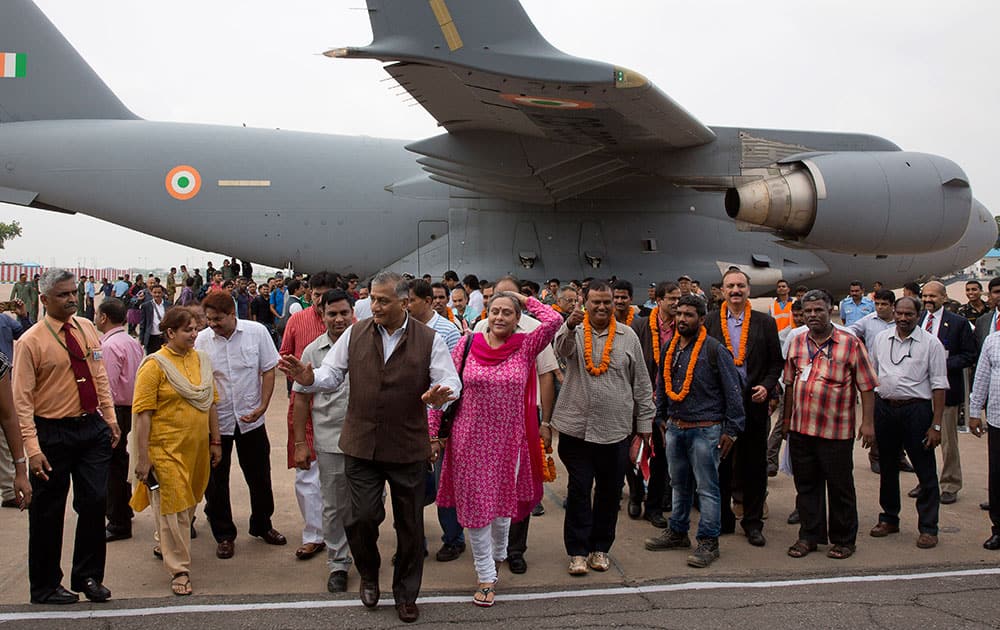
(793, 518)
(634, 510)
(447, 552)
(985, 505)
(407, 611)
(517, 564)
(913, 494)
(369, 594)
(905, 466)
(656, 519)
(756, 538)
(60, 596)
(947, 498)
(95, 591)
(111, 535)
(876, 468)
(992, 543)
(337, 582)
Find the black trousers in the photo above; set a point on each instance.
(366, 481)
(993, 438)
(154, 343)
(119, 489)
(898, 428)
(517, 538)
(747, 463)
(653, 493)
(824, 469)
(254, 451)
(596, 473)
(77, 449)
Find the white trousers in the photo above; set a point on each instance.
(489, 546)
(310, 498)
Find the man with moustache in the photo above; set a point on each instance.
(823, 369)
(327, 412)
(752, 338)
(702, 409)
(440, 296)
(654, 333)
(605, 389)
(910, 398)
(961, 351)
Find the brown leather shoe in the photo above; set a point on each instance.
(927, 541)
(369, 594)
(407, 611)
(882, 529)
(272, 537)
(225, 550)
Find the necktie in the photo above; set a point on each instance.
(81, 371)
(997, 325)
(930, 323)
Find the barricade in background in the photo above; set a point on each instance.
(10, 274)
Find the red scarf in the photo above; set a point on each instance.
(487, 356)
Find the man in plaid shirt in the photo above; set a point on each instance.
(823, 368)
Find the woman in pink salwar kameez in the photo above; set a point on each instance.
(492, 469)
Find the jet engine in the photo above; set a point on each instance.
(860, 202)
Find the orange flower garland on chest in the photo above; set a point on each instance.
(629, 317)
(654, 329)
(451, 315)
(689, 376)
(744, 333)
(588, 347)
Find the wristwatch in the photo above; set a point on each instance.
(936, 427)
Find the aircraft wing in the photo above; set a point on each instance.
(488, 77)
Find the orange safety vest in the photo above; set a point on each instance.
(782, 316)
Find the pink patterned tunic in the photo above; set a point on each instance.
(486, 467)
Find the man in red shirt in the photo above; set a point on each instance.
(823, 368)
(302, 329)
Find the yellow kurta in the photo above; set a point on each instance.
(178, 435)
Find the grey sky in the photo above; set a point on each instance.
(919, 73)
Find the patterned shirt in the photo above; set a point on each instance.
(824, 378)
(599, 409)
(986, 386)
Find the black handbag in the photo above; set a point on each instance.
(448, 415)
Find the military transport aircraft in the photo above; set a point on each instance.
(550, 165)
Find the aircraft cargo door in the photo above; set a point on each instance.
(432, 248)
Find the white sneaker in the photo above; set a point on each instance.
(577, 565)
(598, 561)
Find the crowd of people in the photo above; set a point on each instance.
(453, 393)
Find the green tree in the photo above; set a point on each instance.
(9, 231)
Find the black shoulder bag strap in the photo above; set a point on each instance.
(448, 417)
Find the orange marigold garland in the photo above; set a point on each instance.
(689, 376)
(588, 347)
(744, 334)
(451, 315)
(630, 317)
(548, 466)
(654, 328)
(557, 308)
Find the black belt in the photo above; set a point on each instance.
(86, 416)
(902, 402)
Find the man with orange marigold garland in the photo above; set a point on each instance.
(752, 338)
(606, 380)
(700, 398)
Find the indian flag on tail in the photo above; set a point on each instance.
(13, 65)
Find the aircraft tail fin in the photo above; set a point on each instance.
(42, 77)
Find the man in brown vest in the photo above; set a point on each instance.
(396, 367)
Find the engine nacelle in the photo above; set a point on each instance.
(861, 202)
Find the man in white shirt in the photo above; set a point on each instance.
(910, 396)
(986, 393)
(243, 361)
(476, 302)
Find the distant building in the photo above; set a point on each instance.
(990, 265)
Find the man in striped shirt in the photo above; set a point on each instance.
(822, 371)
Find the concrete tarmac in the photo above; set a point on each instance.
(260, 573)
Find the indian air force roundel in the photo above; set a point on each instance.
(183, 182)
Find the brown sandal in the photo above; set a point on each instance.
(801, 549)
(840, 552)
(181, 585)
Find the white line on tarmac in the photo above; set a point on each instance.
(453, 599)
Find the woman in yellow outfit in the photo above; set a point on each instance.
(177, 439)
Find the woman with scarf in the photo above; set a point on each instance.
(177, 440)
(492, 469)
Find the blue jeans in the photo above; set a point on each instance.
(452, 533)
(695, 452)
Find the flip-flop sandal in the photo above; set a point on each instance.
(157, 552)
(801, 549)
(488, 596)
(181, 585)
(309, 550)
(840, 552)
